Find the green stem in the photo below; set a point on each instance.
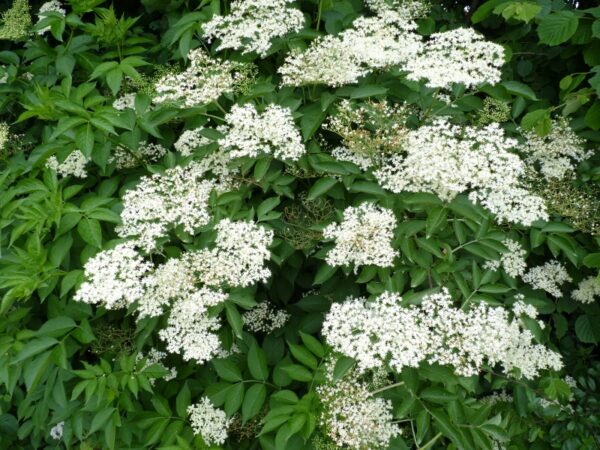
(431, 442)
(319, 12)
(385, 388)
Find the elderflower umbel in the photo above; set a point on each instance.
(53, 6)
(264, 318)
(238, 258)
(202, 82)
(548, 277)
(513, 261)
(364, 237)
(448, 159)
(114, 278)
(209, 422)
(457, 56)
(73, 165)
(587, 290)
(190, 330)
(146, 152)
(250, 133)
(172, 280)
(352, 417)
(190, 140)
(408, 9)
(372, 43)
(179, 197)
(16, 21)
(124, 102)
(253, 24)
(382, 331)
(556, 153)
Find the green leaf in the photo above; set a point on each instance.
(253, 401)
(182, 401)
(298, 372)
(227, 370)
(234, 318)
(34, 347)
(321, 187)
(100, 419)
(234, 398)
(90, 231)
(257, 362)
(58, 326)
(557, 27)
(587, 329)
(312, 344)
(303, 355)
(342, 366)
(518, 88)
(592, 116)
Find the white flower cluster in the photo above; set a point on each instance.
(124, 102)
(121, 277)
(520, 308)
(56, 432)
(364, 237)
(114, 278)
(190, 330)
(587, 290)
(382, 331)
(250, 133)
(345, 154)
(264, 318)
(457, 56)
(253, 24)
(354, 418)
(201, 83)
(128, 159)
(4, 134)
(513, 261)
(409, 9)
(51, 6)
(155, 356)
(238, 258)
(190, 140)
(372, 43)
(209, 422)
(73, 165)
(179, 197)
(447, 159)
(556, 153)
(497, 397)
(548, 277)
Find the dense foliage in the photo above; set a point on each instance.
(299, 224)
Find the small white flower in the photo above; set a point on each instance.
(51, 6)
(264, 318)
(548, 277)
(253, 24)
(114, 278)
(209, 422)
(250, 133)
(587, 291)
(202, 82)
(457, 56)
(73, 165)
(363, 238)
(56, 432)
(124, 102)
(556, 153)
